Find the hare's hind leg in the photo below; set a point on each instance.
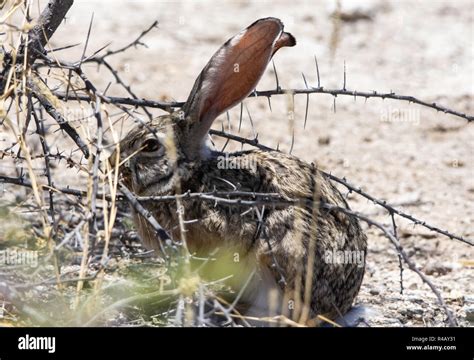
(266, 301)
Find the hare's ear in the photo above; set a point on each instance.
(230, 76)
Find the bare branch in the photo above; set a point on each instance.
(45, 26)
(356, 189)
(45, 101)
(268, 93)
(364, 94)
(38, 37)
(411, 265)
(160, 232)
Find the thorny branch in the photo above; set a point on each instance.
(353, 188)
(46, 26)
(160, 232)
(38, 36)
(269, 93)
(235, 198)
(366, 95)
(394, 240)
(41, 93)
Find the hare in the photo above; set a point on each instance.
(292, 250)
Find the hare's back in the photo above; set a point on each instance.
(267, 172)
(273, 173)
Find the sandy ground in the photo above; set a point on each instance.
(406, 154)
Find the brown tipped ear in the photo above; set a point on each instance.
(230, 76)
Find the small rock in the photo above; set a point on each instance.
(394, 307)
(374, 291)
(359, 314)
(414, 298)
(438, 268)
(394, 297)
(413, 286)
(384, 321)
(469, 310)
(353, 11)
(392, 321)
(324, 140)
(414, 311)
(468, 299)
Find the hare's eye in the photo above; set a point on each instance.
(151, 145)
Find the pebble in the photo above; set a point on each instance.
(374, 291)
(354, 10)
(413, 286)
(469, 310)
(468, 299)
(394, 298)
(360, 312)
(392, 321)
(386, 322)
(324, 140)
(414, 298)
(439, 269)
(415, 311)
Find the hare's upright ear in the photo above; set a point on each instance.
(231, 75)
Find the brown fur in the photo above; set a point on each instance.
(287, 250)
(289, 229)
